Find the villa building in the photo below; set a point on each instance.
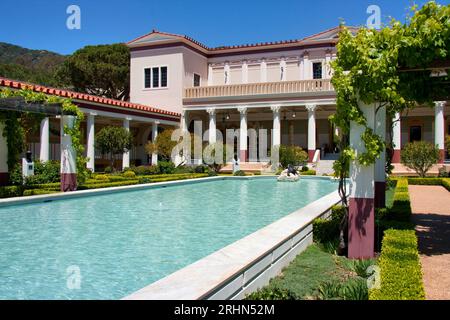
(283, 87)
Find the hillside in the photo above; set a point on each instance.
(38, 66)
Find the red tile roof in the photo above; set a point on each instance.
(14, 84)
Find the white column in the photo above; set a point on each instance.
(212, 125)
(126, 155)
(44, 140)
(210, 75)
(361, 220)
(244, 72)
(263, 70)
(396, 138)
(276, 131)
(68, 157)
(243, 134)
(90, 152)
(4, 176)
(439, 129)
(380, 163)
(154, 135)
(227, 73)
(283, 69)
(311, 130)
(306, 66)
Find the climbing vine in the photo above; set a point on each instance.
(374, 68)
(14, 129)
(387, 69)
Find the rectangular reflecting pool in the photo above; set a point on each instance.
(106, 246)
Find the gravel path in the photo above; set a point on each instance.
(431, 213)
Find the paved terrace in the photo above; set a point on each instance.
(431, 213)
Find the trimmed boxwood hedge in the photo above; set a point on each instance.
(308, 173)
(445, 182)
(400, 269)
(11, 191)
(327, 230)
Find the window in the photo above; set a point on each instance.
(317, 70)
(155, 77)
(147, 77)
(415, 133)
(196, 80)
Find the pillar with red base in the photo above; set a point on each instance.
(396, 138)
(380, 164)
(361, 220)
(68, 156)
(311, 131)
(4, 175)
(439, 129)
(243, 148)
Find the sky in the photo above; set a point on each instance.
(41, 24)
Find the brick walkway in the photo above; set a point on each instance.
(431, 213)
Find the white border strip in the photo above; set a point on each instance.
(245, 265)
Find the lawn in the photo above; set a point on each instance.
(318, 274)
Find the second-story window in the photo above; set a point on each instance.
(155, 77)
(196, 80)
(317, 70)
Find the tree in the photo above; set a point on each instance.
(163, 145)
(420, 156)
(102, 70)
(447, 143)
(113, 141)
(292, 155)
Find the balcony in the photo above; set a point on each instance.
(299, 88)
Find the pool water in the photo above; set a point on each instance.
(108, 246)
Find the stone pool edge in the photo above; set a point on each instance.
(245, 265)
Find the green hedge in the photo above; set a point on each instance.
(308, 173)
(445, 182)
(35, 192)
(11, 191)
(401, 208)
(400, 270)
(107, 184)
(327, 230)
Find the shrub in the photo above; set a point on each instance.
(425, 181)
(102, 177)
(35, 192)
(420, 156)
(400, 270)
(447, 143)
(107, 184)
(201, 169)
(239, 173)
(162, 145)
(327, 230)
(144, 170)
(352, 289)
(166, 167)
(257, 173)
(308, 173)
(446, 183)
(108, 169)
(272, 294)
(11, 191)
(129, 174)
(183, 169)
(305, 168)
(212, 173)
(292, 155)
